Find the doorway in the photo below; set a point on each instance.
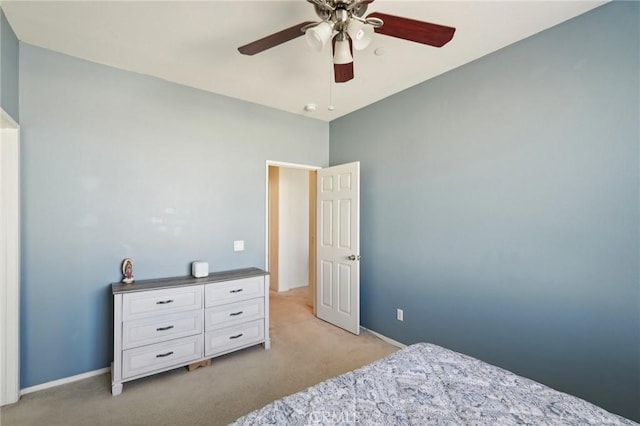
(9, 260)
(332, 238)
(291, 227)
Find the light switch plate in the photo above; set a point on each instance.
(238, 245)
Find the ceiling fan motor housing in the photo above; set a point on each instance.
(339, 12)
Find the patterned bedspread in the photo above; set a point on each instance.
(425, 384)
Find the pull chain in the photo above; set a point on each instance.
(330, 107)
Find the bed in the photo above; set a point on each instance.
(425, 384)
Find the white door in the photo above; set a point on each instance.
(338, 246)
(9, 260)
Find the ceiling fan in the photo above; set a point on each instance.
(342, 22)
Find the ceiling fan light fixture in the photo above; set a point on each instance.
(342, 52)
(319, 35)
(361, 34)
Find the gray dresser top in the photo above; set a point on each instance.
(213, 277)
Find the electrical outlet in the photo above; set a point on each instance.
(400, 315)
(238, 245)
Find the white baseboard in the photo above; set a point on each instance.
(64, 381)
(291, 287)
(385, 338)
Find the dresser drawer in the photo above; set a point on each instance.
(229, 338)
(233, 313)
(161, 355)
(233, 291)
(158, 329)
(149, 303)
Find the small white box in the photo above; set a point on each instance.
(199, 269)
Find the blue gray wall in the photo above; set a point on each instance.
(9, 49)
(115, 165)
(500, 208)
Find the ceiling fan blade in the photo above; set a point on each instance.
(343, 72)
(412, 30)
(273, 40)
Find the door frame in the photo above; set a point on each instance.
(9, 259)
(266, 204)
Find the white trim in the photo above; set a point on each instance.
(266, 199)
(6, 121)
(385, 338)
(64, 381)
(9, 259)
(291, 165)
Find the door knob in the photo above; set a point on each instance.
(354, 257)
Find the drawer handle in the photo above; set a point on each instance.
(164, 302)
(235, 291)
(236, 336)
(163, 355)
(169, 327)
(235, 314)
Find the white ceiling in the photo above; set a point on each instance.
(195, 43)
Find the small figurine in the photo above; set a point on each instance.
(127, 271)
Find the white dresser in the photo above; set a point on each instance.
(172, 322)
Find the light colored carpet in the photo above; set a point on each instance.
(304, 351)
